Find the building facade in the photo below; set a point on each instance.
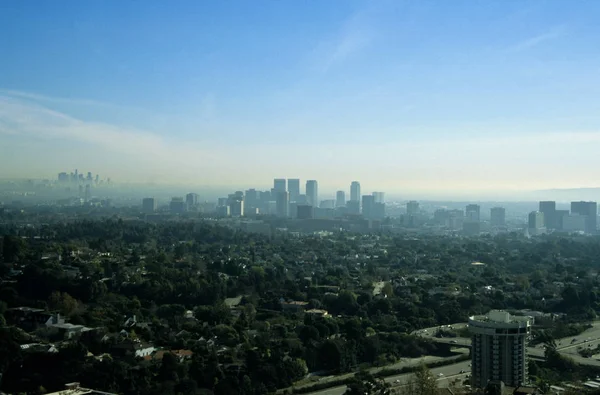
(340, 199)
(355, 191)
(498, 216)
(312, 193)
(499, 345)
(293, 189)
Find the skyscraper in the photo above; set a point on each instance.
(412, 207)
(177, 205)
(590, 211)
(283, 204)
(88, 192)
(191, 199)
(340, 199)
(279, 184)
(355, 191)
(293, 188)
(550, 217)
(536, 222)
(312, 193)
(472, 213)
(379, 197)
(368, 202)
(148, 205)
(499, 348)
(498, 216)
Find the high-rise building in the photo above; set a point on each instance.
(177, 205)
(88, 192)
(353, 207)
(472, 213)
(293, 185)
(148, 205)
(340, 199)
(499, 348)
(590, 211)
(378, 210)
(236, 207)
(63, 177)
(355, 191)
(251, 198)
(329, 203)
(191, 199)
(367, 206)
(305, 211)
(549, 210)
(89, 176)
(498, 216)
(412, 207)
(283, 204)
(379, 197)
(312, 193)
(279, 185)
(536, 222)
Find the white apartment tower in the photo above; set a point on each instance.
(499, 344)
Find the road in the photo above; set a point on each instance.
(449, 373)
(567, 346)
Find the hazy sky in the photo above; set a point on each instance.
(404, 96)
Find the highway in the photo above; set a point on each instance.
(567, 346)
(449, 373)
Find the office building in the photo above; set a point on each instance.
(293, 185)
(312, 193)
(305, 211)
(536, 222)
(236, 207)
(279, 185)
(353, 207)
(251, 199)
(63, 177)
(283, 204)
(499, 345)
(559, 215)
(191, 199)
(355, 191)
(148, 205)
(223, 211)
(590, 211)
(340, 199)
(379, 197)
(88, 193)
(329, 203)
(378, 210)
(412, 207)
(574, 223)
(177, 205)
(498, 216)
(549, 210)
(368, 202)
(472, 213)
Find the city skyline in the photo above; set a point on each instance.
(405, 96)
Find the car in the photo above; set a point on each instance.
(396, 381)
(440, 374)
(453, 341)
(463, 371)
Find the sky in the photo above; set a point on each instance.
(424, 96)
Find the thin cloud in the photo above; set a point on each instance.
(355, 35)
(534, 41)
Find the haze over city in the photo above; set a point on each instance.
(421, 99)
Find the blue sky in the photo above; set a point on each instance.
(418, 96)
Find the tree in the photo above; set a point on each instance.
(363, 383)
(62, 302)
(422, 383)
